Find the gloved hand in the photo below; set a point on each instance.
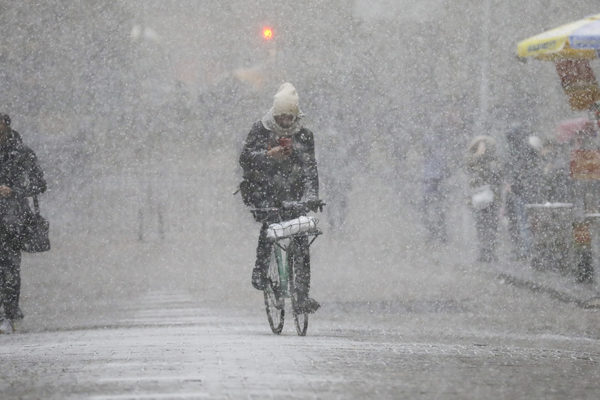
(5, 191)
(279, 152)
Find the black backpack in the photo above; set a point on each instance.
(247, 190)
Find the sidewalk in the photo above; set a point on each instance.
(559, 286)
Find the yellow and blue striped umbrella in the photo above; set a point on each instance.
(576, 40)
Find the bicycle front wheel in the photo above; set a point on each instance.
(274, 298)
(300, 318)
(274, 306)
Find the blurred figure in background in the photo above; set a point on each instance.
(435, 172)
(484, 173)
(442, 155)
(557, 185)
(20, 177)
(523, 176)
(551, 219)
(336, 163)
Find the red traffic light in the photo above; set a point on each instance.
(267, 33)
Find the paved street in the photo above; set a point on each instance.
(169, 345)
(429, 327)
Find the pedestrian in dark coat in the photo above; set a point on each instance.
(523, 176)
(484, 172)
(20, 177)
(435, 172)
(279, 165)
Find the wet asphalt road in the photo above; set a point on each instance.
(120, 325)
(167, 345)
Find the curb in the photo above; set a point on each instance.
(589, 303)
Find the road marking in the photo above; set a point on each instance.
(186, 395)
(156, 378)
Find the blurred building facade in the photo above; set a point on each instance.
(139, 96)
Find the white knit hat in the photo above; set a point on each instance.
(285, 100)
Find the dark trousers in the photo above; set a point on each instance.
(10, 279)
(486, 222)
(434, 213)
(302, 262)
(518, 225)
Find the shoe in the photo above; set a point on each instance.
(259, 280)
(6, 327)
(308, 306)
(585, 278)
(518, 257)
(487, 258)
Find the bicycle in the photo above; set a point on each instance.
(286, 254)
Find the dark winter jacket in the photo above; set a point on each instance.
(484, 168)
(523, 168)
(272, 181)
(21, 172)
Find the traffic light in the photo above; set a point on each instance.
(267, 33)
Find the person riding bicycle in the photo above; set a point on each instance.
(278, 160)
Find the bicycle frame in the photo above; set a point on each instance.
(281, 253)
(282, 271)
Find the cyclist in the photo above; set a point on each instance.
(278, 160)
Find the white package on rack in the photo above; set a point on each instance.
(291, 227)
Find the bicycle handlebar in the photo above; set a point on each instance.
(300, 206)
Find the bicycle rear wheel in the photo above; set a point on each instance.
(301, 322)
(300, 318)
